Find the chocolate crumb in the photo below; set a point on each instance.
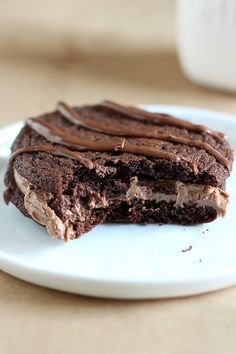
(205, 231)
(198, 261)
(187, 249)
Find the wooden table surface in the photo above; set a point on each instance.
(38, 320)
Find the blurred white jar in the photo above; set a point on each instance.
(207, 41)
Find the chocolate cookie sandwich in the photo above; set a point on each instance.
(81, 166)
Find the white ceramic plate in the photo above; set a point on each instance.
(126, 261)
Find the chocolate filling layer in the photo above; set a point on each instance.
(36, 202)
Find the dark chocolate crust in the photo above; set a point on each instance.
(71, 181)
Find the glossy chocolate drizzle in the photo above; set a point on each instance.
(160, 119)
(55, 135)
(147, 131)
(124, 134)
(58, 151)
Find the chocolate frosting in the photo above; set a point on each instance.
(136, 130)
(161, 119)
(55, 135)
(49, 149)
(132, 131)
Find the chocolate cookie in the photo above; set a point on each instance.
(77, 167)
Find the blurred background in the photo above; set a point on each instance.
(85, 51)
